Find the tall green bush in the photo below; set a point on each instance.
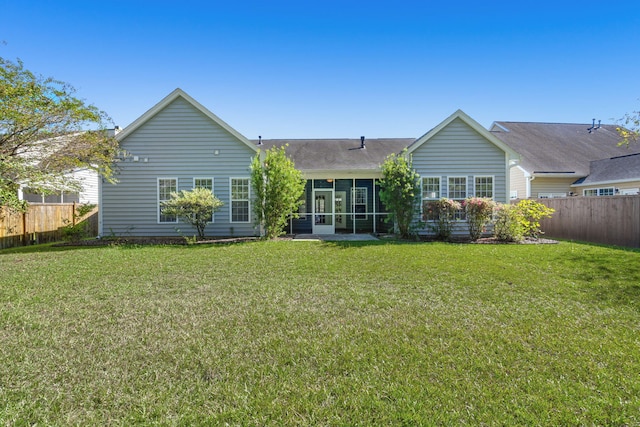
(277, 187)
(400, 191)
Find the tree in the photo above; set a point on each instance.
(46, 132)
(400, 191)
(195, 207)
(277, 187)
(629, 129)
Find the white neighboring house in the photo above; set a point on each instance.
(87, 194)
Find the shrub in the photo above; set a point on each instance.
(399, 191)
(278, 187)
(195, 207)
(508, 226)
(479, 211)
(442, 212)
(530, 213)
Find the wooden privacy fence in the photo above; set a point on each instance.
(611, 220)
(41, 224)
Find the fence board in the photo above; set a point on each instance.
(611, 220)
(41, 223)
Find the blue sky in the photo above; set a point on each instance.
(320, 69)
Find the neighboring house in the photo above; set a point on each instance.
(88, 193)
(179, 144)
(556, 157)
(614, 176)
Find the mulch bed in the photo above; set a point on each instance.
(228, 240)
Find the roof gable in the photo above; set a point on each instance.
(179, 93)
(459, 114)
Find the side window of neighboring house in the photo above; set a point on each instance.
(608, 191)
(484, 186)
(551, 195)
(204, 183)
(166, 186)
(240, 203)
(629, 191)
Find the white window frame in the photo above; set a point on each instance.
(599, 191)
(159, 201)
(551, 195)
(493, 185)
(460, 215)
(248, 199)
(200, 186)
(426, 196)
(357, 201)
(629, 191)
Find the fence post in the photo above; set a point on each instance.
(73, 214)
(25, 237)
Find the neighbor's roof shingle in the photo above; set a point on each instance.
(621, 168)
(559, 147)
(338, 154)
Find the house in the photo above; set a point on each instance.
(613, 176)
(178, 145)
(456, 159)
(556, 158)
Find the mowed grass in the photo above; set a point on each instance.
(308, 333)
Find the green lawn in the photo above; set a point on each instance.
(308, 333)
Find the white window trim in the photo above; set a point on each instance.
(493, 185)
(551, 195)
(213, 181)
(231, 199)
(364, 216)
(629, 191)
(438, 195)
(466, 189)
(598, 191)
(158, 199)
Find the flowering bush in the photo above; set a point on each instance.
(479, 211)
(531, 212)
(442, 213)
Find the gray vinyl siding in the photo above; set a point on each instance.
(178, 142)
(458, 150)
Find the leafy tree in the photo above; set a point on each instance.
(43, 134)
(629, 129)
(529, 214)
(400, 191)
(277, 186)
(195, 207)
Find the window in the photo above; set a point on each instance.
(166, 186)
(551, 195)
(458, 191)
(240, 200)
(629, 191)
(484, 186)
(457, 188)
(204, 183)
(608, 191)
(359, 198)
(430, 188)
(513, 194)
(302, 209)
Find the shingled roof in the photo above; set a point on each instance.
(615, 169)
(338, 154)
(559, 148)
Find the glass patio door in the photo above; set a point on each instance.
(323, 213)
